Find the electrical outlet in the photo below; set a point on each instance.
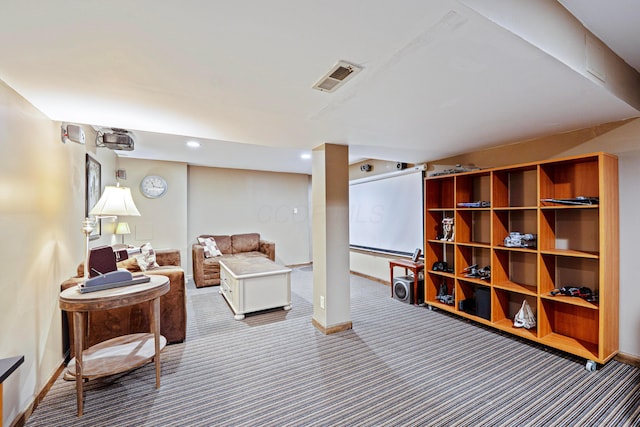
(321, 301)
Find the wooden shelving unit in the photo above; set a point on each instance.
(576, 245)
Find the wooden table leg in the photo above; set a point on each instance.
(391, 268)
(78, 334)
(155, 329)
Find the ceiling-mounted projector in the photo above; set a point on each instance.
(115, 139)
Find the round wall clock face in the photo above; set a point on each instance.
(153, 186)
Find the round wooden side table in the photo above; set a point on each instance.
(121, 353)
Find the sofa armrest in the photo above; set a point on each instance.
(72, 281)
(168, 257)
(197, 257)
(269, 249)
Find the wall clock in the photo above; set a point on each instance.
(153, 186)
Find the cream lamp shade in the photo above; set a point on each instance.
(123, 228)
(115, 201)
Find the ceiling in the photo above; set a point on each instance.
(439, 78)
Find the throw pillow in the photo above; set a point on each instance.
(147, 258)
(210, 247)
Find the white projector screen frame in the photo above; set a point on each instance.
(386, 212)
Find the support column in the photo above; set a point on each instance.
(330, 207)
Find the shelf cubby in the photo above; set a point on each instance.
(433, 223)
(432, 288)
(470, 255)
(515, 271)
(524, 221)
(564, 324)
(505, 305)
(473, 226)
(570, 178)
(468, 295)
(473, 188)
(516, 187)
(567, 271)
(439, 193)
(440, 252)
(574, 230)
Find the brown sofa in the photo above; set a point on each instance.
(106, 324)
(206, 271)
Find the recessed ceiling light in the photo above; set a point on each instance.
(193, 144)
(305, 156)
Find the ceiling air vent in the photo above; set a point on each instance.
(337, 76)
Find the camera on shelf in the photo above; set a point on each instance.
(516, 239)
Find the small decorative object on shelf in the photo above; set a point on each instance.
(441, 266)
(447, 229)
(478, 273)
(524, 318)
(580, 200)
(516, 239)
(575, 291)
(457, 169)
(478, 204)
(443, 295)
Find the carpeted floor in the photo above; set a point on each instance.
(400, 366)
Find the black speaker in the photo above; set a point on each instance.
(403, 290)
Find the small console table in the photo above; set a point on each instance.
(408, 265)
(117, 354)
(7, 366)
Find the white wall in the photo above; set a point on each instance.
(230, 201)
(162, 221)
(42, 185)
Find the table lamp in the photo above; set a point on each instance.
(122, 228)
(115, 201)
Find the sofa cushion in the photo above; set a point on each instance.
(248, 242)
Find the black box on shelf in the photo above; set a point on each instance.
(483, 302)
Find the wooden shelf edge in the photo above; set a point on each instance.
(507, 248)
(515, 208)
(570, 300)
(474, 244)
(507, 326)
(573, 346)
(453, 310)
(516, 288)
(472, 280)
(570, 253)
(563, 207)
(443, 274)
